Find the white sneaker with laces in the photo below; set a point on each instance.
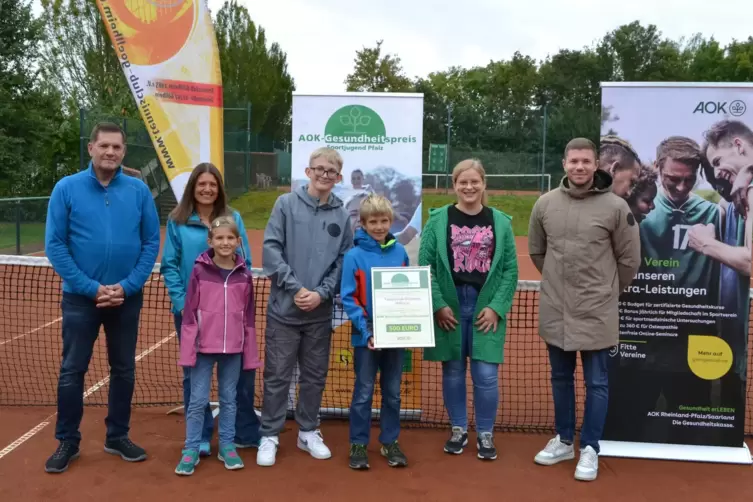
(555, 452)
(313, 442)
(588, 465)
(267, 451)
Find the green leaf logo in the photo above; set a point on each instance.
(353, 121)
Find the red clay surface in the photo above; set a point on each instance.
(29, 360)
(431, 475)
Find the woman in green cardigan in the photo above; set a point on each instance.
(470, 248)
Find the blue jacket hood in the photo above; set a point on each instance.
(366, 242)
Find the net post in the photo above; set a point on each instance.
(18, 227)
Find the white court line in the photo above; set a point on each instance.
(91, 390)
(31, 332)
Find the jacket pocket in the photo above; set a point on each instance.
(235, 332)
(211, 331)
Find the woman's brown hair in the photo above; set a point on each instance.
(187, 204)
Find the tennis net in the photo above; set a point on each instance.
(31, 347)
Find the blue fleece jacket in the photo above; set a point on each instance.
(97, 235)
(183, 244)
(355, 290)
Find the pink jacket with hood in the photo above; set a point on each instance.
(218, 317)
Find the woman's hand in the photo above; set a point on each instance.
(446, 319)
(487, 320)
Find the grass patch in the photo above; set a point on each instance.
(31, 233)
(255, 207)
(709, 195)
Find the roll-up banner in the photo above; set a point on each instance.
(678, 375)
(379, 136)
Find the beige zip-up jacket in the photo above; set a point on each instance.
(586, 245)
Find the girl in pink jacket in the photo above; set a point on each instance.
(218, 328)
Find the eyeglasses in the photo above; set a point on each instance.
(325, 173)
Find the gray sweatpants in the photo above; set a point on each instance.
(285, 345)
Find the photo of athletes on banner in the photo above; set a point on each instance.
(682, 157)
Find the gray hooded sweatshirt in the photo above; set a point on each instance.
(304, 246)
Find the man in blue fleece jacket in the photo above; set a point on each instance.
(102, 238)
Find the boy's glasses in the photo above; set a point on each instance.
(325, 173)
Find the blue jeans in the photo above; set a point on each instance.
(596, 375)
(366, 362)
(485, 376)
(246, 420)
(228, 372)
(81, 322)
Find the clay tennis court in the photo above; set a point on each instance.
(29, 357)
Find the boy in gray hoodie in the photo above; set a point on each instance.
(305, 241)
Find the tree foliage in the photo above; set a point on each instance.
(52, 66)
(31, 124)
(374, 72)
(78, 59)
(253, 72)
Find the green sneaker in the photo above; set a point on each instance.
(229, 455)
(188, 461)
(359, 459)
(395, 456)
(205, 450)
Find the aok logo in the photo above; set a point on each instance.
(735, 108)
(356, 125)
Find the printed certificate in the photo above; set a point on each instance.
(403, 313)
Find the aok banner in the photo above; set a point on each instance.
(168, 52)
(678, 375)
(379, 136)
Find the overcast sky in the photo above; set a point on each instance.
(321, 36)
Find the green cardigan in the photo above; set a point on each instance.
(497, 293)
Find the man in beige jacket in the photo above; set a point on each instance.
(584, 240)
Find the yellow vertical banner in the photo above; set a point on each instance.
(169, 56)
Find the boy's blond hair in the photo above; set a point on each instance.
(328, 154)
(224, 222)
(375, 204)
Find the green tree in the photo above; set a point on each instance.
(374, 72)
(79, 59)
(253, 72)
(30, 121)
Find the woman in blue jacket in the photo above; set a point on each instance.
(204, 199)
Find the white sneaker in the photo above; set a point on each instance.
(267, 451)
(313, 443)
(554, 452)
(588, 465)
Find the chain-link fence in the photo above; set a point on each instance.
(22, 223)
(251, 160)
(521, 150)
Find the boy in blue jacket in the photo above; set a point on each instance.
(374, 246)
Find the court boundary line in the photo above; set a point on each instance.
(13, 446)
(32, 331)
